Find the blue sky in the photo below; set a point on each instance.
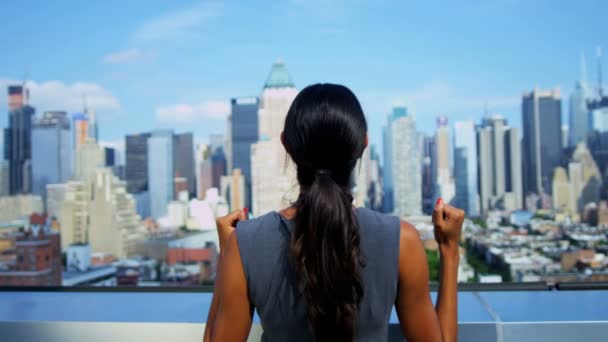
(174, 64)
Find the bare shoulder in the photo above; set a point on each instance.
(409, 235)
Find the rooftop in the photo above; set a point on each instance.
(279, 76)
(491, 312)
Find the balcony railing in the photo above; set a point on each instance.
(487, 312)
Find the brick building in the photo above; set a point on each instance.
(37, 256)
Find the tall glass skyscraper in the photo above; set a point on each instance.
(465, 168)
(542, 127)
(579, 114)
(18, 140)
(243, 133)
(51, 151)
(387, 172)
(160, 172)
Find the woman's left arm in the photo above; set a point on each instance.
(231, 312)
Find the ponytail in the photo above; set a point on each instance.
(325, 134)
(325, 251)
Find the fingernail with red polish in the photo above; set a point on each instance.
(439, 201)
(246, 211)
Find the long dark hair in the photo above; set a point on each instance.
(325, 134)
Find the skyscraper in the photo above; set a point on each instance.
(203, 173)
(18, 140)
(406, 165)
(429, 174)
(444, 183)
(93, 128)
(465, 168)
(244, 132)
(387, 172)
(272, 177)
(80, 123)
(89, 157)
(183, 151)
(4, 178)
(598, 110)
(110, 156)
(542, 122)
(160, 172)
(499, 165)
(51, 151)
(514, 191)
(579, 110)
(233, 189)
(137, 162)
(485, 167)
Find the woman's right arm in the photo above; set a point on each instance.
(418, 319)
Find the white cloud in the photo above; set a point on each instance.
(57, 95)
(186, 114)
(124, 56)
(183, 24)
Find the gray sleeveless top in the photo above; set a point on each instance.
(264, 248)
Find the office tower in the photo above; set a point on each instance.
(97, 210)
(55, 196)
(591, 178)
(37, 257)
(110, 156)
(93, 128)
(485, 167)
(579, 110)
(4, 178)
(514, 195)
(444, 182)
(561, 191)
(244, 132)
(203, 170)
(18, 140)
(89, 157)
(183, 151)
(233, 189)
(565, 136)
(80, 124)
(598, 110)
(273, 178)
(375, 187)
(406, 164)
(362, 179)
(51, 151)
(498, 125)
(499, 165)
(542, 122)
(465, 168)
(137, 162)
(597, 142)
(387, 172)
(218, 167)
(160, 172)
(429, 174)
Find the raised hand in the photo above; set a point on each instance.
(448, 225)
(227, 224)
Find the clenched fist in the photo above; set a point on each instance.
(227, 224)
(448, 225)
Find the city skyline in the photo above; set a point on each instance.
(437, 60)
